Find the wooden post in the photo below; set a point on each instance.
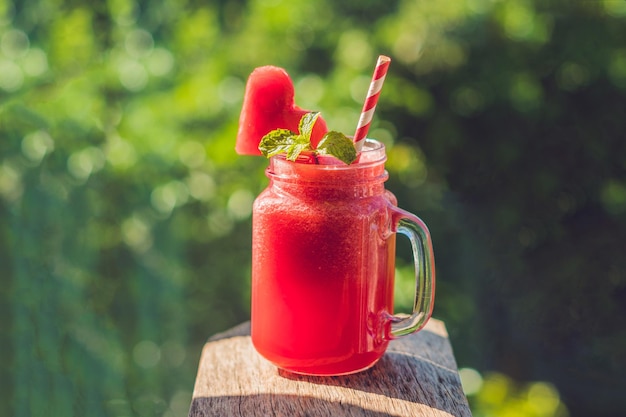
(417, 376)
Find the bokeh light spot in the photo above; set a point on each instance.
(132, 74)
(517, 20)
(409, 45)
(166, 197)
(230, 90)
(471, 380)
(12, 76)
(617, 68)
(36, 145)
(201, 186)
(83, 163)
(136, 233)
(571, 76)
(613, 195)
(35, 63)
(409, 163)
(240, 204)
(119, 152)
(146, 354)
(525, 92)
(14, 43)
(496, 387)
(160, 62)
(543, 398)
(354, 50)
(138, 43)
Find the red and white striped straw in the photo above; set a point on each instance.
(370, 101)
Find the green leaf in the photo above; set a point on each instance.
(338, 145)
(283, 141)
(306, 124)
(274, 142)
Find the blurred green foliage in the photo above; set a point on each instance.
(125, 213)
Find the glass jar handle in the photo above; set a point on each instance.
(415, 229)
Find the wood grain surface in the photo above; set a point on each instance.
(417, 376)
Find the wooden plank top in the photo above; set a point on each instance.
(417, 376)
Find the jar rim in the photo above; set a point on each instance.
(373, 152)
(370, 168)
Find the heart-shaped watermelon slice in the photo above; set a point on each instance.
(268, 104)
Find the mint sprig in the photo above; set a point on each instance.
(283, 141)
(292, 144)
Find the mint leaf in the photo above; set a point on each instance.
(283, 141)
(305, 127)
(338, 145)
(274, 142)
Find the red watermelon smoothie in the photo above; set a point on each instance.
(323, 265)
(324, 230)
